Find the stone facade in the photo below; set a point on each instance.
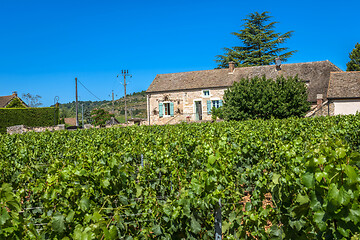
(327, 109)
(185, 105)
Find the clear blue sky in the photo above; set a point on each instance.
(46, 44)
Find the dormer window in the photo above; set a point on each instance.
(206, 93)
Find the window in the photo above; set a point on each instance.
(206, 93)
(215, 103)
(166, 109)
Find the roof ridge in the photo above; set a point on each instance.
(215, 69)
(347, 72)
(222, 69)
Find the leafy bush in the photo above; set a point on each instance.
(266, 98)
(31, 117)
(100, 116)
(217, 113)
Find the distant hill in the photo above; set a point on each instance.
(136, 107)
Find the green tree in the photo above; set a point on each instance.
(260, 44)
(265, 98)
(354, 63)
(100, 116)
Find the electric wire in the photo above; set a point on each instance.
(88, 90)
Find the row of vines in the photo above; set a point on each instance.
(276, 179)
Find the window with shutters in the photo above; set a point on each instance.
(215, 103)
(166, 109)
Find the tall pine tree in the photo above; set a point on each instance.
(354, 64)
(260, 44)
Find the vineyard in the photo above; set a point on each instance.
(276, 179)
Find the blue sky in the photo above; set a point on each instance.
(46, 44)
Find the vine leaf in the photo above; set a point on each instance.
(333, 194)
(58, 223)
(70, 216)
(275, 178)
(157, 230)
(138, 191)
(4, 216)
(354, 214)
(351, 173)
(308, 180)
(344, 196)
(84, 204)
(318, 219)
(302, 199)
(195, 225)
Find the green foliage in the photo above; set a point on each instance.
(31, 117)
(260, 44)
(100, 116)
(265, 98)
(354, 63)
(164, 182)
(15, 103)
(217, 113)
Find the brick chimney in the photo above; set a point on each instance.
(319, 100)
(278, 63)
(14, 93)
(231, 66)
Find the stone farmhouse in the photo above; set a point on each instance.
(6, 100)
(190, 96)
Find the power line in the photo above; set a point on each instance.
(88, 90)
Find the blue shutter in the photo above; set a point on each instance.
(208, 106)
(161, 111)
(220, 103)
(171, 109)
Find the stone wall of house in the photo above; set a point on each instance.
(23, 129)
(184, 105)
(326, 109)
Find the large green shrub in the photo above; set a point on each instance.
(31, 117)
(266, 98)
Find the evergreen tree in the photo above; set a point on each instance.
(260, 44)
(354, 64)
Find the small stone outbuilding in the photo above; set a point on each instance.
(344, 92)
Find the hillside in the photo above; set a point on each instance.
(136, 106)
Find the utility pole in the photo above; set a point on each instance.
(125, 73)
(82, 115)
(113, 109)
(76, 97)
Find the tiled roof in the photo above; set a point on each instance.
(70, 121)
(317, 74)
(4, 100)
(344, 85)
